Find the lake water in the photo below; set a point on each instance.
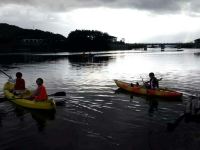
(95, 114)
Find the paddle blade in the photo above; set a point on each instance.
(58, 94)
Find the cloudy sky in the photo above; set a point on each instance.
(134, 20)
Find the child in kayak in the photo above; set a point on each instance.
(153, 83)
(40, 93)
(19, 87)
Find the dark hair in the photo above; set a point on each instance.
(151, 74)
(18, 74)
(39, 81)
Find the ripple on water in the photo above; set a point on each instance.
(95, 114)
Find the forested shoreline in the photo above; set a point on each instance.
(14, 39)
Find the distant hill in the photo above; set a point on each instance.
(10, 31)
(16, 39)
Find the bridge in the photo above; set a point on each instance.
(156, 45)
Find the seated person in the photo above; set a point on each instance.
(19, 86)
(40, 93)
(153, 83)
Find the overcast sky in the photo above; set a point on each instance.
(134, 20)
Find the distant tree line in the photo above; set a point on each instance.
(15, 39)
(89, 40)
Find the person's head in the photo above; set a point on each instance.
(39, 81)
(151, 75)
(19, 75)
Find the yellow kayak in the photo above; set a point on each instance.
(19, 100)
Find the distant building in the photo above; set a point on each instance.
(113, 38)
(33, 42)
(197, 43)
(122, 40)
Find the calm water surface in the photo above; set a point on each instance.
(95, 114)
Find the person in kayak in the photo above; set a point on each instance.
(19, 87)
(153, 83)
(40, 94)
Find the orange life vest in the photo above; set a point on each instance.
(41, 94)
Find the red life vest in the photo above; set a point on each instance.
(20, 84)
(41, 94)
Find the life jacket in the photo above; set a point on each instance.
(41, 94)
(154, 83)
(19, 84)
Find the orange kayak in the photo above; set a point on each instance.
(138, 89)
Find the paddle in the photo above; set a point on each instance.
(10, 77)
(148, 81)
(6, 74)
(2, 99)
(58, 94)
(142, 80)
(59, 102)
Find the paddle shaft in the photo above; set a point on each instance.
(5, 74)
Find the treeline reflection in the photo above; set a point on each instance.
(9, 59)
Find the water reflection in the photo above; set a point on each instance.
(2, 114)
(40, 116)
(158, 108)
(34, 58)
(5, 109)
(153, 105)
(89, 59)
(80, 58)
(7, 59)
(92, 116)
(153, 102)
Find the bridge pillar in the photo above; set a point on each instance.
(178, 46)
(145, 47)
(162, 46)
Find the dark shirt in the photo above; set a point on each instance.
(154, 83)
(20, 84)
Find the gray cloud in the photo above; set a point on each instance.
(42, 14)
(158, 6)
(30, 18)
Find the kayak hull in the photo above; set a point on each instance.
(19, 100)
(138, 89)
